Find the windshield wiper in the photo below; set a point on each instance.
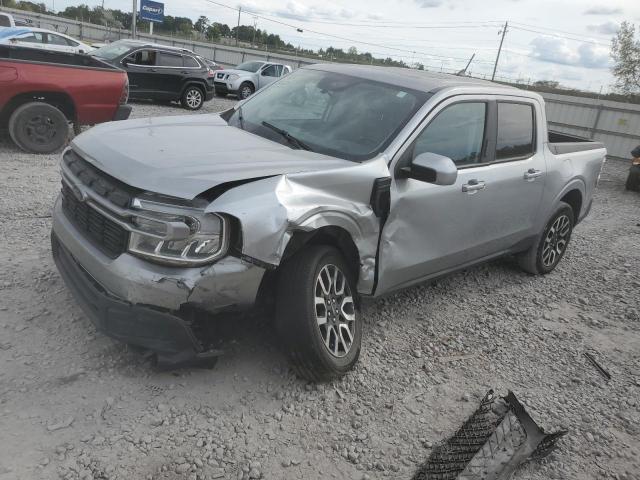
(293, 141)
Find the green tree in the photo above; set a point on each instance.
(201, 24)
(625, 51)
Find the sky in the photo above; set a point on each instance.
(567, 41)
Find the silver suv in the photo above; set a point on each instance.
(248, 77)
(337, 184)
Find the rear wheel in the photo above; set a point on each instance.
(246, 90)
(544, 256)
(633, 180)
(192, 98)
(316, 314)
(38, 127)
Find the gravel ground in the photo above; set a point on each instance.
(75, 404)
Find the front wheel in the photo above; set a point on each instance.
(545, 255)
(316, 314)
(192, 98)
(246, 90)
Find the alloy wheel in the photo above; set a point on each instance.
(245, 92)
(335, 310)
(194, 98)
(556, 241)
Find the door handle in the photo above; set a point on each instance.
(473, 186)
(532, 174)
(152, 70)
(184, 72)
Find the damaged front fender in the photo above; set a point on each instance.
(272, 210)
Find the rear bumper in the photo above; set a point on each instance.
(123, 112)
(149, 328)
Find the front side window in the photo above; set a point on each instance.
(143, 57)
(168, 60)
(515, 130)
(270, 71)
(339, 115)
(457, 132)
(34, 37)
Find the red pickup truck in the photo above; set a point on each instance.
(42, 92)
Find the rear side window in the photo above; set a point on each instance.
(515, 130)
(57, 40)
(169, 60)
(190, 62)
(457, 132)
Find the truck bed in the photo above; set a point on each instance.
(564, 143)
(38, 55)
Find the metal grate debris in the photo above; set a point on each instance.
(490, 445)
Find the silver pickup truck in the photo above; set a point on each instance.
(335, 184)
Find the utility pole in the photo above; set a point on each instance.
(134, 27)
(238, 29)
(504, 32)
(463, 72)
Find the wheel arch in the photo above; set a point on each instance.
(194, 83)
(574, 199)
(61, 100)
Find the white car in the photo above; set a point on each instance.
(42, 38)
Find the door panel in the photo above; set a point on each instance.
(169, 72)
(431, 228)
(139, 67)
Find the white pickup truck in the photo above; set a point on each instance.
(335, 184)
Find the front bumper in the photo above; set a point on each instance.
(139, 302)
(122, 113)
(223, 88)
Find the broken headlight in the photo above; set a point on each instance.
(177, 235)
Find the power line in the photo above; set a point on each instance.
(560, 36)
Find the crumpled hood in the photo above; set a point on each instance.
(183, 156)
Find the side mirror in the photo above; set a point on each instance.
(432, 168)
(80, 51)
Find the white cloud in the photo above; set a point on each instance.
(554, 50)
(429, 3)
(606, 28)
(295, 10)
(602, 10)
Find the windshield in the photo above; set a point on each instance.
(250, 66)
(338, 115)
(109, 52)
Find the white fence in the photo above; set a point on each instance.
(615, 124)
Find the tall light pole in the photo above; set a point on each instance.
(495, 66)
(134, 27)
(238, 29)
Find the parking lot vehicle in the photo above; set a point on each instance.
(248, 77)
(337, 184)
(42, 38)
(633, 179)
(7, 20)
(42, 92)
(159, 72)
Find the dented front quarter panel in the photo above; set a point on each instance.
(272, 210)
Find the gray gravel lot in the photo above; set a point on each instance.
(77, 405)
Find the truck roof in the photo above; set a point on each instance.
(411, 78)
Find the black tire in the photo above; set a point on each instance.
(38, 127)
(192, 98)
(537, 260)
(296, 320)
(633, 180)
(246, 90)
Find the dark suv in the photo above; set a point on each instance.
(159, 72)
